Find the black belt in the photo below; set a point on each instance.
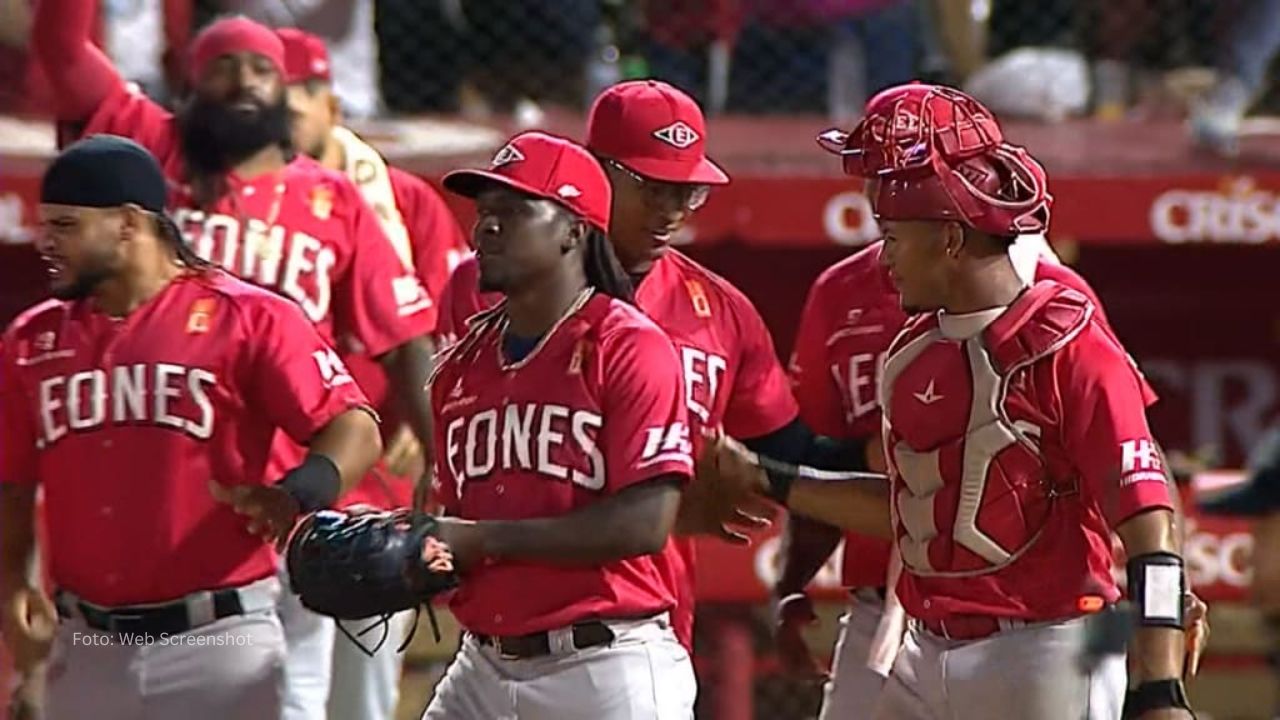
(591, 633)
(167, 619)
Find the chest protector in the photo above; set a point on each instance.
(971, 490)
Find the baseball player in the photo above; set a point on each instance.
(650, 137)
(245, 203)
(851, 316)
(428, 242)
(144, 400)
(241, 197)
(1016, 440)
(562, 444)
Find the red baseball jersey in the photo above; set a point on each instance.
(125, 421)
(595, 408)
(437, 246)
(732, 376)
(304, 232)
(850, 317)
(1017, 439)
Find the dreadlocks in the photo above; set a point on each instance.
(167, 229)
(604, 271)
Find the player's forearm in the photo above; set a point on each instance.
(352, 442)
(408, 369)
(861, 507)
(17, 535)
(81, 75)
(1156, 653)
(806, 545)
(636, 521)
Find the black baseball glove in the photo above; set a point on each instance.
(352, 566)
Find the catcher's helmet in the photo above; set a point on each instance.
(935, 153)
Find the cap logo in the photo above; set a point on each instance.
(678, 135)
(568, 191)
(319, 67)
(507, 155)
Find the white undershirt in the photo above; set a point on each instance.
(963, 326)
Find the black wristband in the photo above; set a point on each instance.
(315, 483)
(779, 486)
(1155, 695)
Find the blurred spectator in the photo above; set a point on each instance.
(869, 45)
(347, 28)
(689, 43)
(415, 75)
(1250, 45)
(138, 36)
(510, 51)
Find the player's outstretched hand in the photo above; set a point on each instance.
(794, 614)
(403, 454)
(29, 623)
(1196, 624)
(271, 511)
(723, 500)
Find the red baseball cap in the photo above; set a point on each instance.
(232, 35)
(655, 130)
(544, 166)
(305, 56)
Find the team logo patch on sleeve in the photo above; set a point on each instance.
(321, 202)
(698, 296)
(1140, 462)
(200, 314)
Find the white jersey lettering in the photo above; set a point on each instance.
(563, 434)
(297, 265)
(702, 374)
(179, 399)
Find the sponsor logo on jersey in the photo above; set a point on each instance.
(166, 395)
(677, 134)
(1140, 462)
(576, 359)
(45, 341)
(333, 371)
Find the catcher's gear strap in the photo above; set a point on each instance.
(1155, 695)
(1157, 584)
(315, 484)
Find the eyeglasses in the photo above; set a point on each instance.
(659, 193)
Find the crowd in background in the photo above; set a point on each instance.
(1100, 57)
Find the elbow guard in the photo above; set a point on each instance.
(1157, 584)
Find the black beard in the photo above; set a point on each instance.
(215, 138)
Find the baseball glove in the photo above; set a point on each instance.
(352, 566)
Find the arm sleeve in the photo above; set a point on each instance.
(301, 382)
(380, 303)
(1105, 427)
(438, 244)
(17, 431)
(817, 394)
(645, 433)
(760, 400)
(81, 75)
